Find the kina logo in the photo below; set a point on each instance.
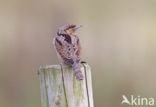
(137, 101)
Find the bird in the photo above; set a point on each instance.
(67, 45)
(125, 100)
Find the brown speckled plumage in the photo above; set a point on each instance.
(67, 45)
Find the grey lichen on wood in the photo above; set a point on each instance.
(59, 87)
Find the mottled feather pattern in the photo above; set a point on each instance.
(68, 47)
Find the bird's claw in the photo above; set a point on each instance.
(79, 76)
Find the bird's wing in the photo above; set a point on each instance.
(64, 49)
(78, 51)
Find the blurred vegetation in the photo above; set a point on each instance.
(118, 40)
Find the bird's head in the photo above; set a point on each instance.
(68, 29)
(71, 29)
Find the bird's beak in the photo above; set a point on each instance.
(77, 27)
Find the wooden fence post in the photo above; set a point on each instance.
(59, 88)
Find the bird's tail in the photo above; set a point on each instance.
(77, 70)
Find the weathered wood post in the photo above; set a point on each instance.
(59, 88)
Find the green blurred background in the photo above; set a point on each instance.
(118, 40)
